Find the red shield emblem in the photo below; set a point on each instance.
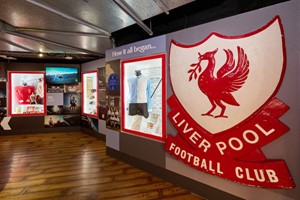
(224, 105)
(228, 78)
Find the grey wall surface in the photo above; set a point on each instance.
(138, 49)
(139, 147)
(23, 67)
(93, 65)
(286, 147)
(112, 136)
(143, 149)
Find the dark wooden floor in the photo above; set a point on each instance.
(73, 166)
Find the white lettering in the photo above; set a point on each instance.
(175, 116)
(172, 146)
(185, 130)
(203, 164)
(210, 166)
(194, 137)
(238, 141)
(248, 136)
(266, 133)
(183, 154)
(221, 146)
(204, 143)
(247, 139)
(189, 156)
(143, 48)
(248, 175)
(116, 53)
(259, 175)
(196, 161)
(272, 176)
(239, 172)
(219, 168)
(177, 151)
(181, 123)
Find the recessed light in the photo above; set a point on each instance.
(68, 57)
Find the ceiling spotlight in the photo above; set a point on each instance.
(7, 57)
(11, 58)
(41, 55)
(68, 57)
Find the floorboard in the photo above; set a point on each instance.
(74, 165)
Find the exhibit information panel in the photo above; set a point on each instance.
(90, 93)
(143, 92)
(27, 93)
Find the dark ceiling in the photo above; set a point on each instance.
(192, 14)
(61, 37)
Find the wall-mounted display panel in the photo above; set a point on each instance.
(61, 75)
(90, 93)
(26, 93)
(143, 96)
(113, 99)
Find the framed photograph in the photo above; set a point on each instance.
(112, 75)
(55, 88)
(55, 110)
(102, 77)
(113, 116)
(72, 88)
(72, 103)
(51, 121)
(27, 94)
(90, 93)
(143, 99)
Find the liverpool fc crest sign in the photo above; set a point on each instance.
(224, 105)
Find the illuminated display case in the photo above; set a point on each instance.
(143, 95)
(90, 93)
(27, 93)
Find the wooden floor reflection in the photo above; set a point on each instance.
(60, 166)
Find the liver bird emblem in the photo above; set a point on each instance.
(229, 78)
